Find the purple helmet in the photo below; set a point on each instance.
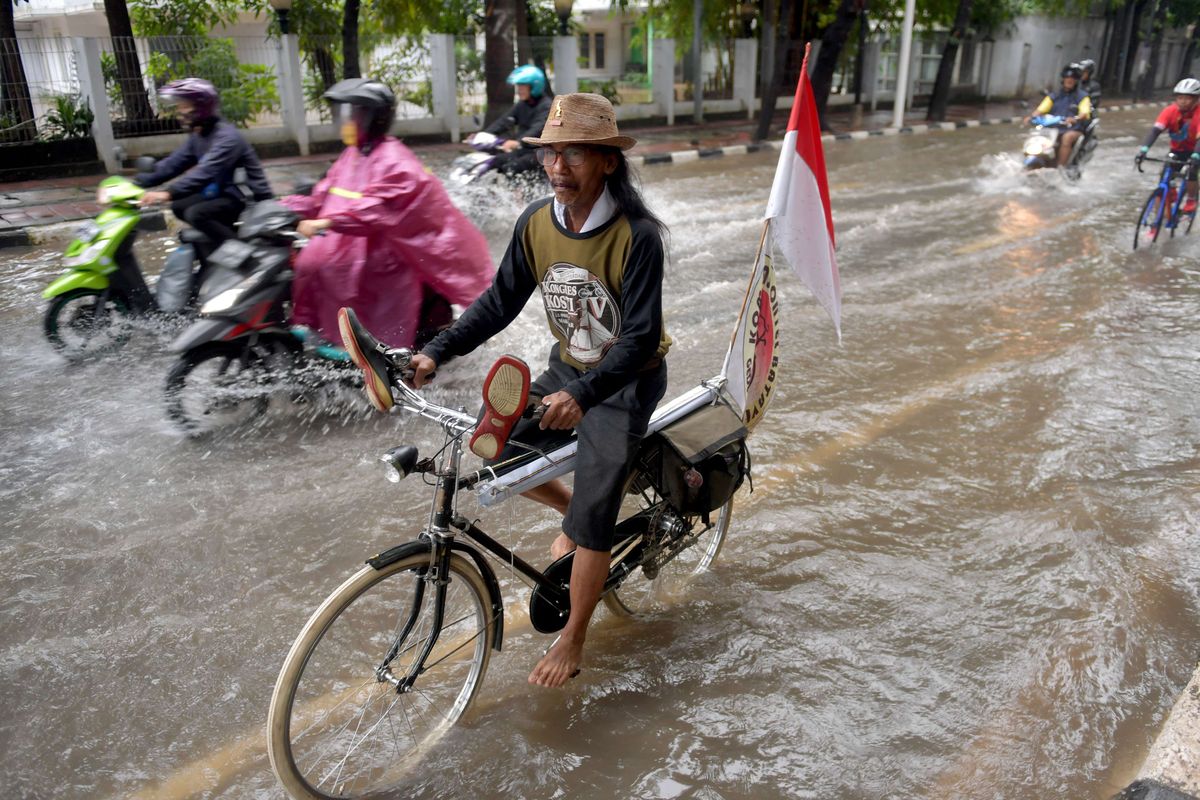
(197, 91)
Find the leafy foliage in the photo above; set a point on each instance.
(70, 117)
(247, 90)
(188, 17)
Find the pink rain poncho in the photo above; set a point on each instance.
(393, 232)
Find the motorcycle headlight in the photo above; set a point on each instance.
(1037, 145)
(89, 254)
(224, 301)
(87, 231)
(227, 299)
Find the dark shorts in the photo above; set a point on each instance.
(609, 436)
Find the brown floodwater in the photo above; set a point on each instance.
(969, 568)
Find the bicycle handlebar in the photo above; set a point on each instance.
(1173, 161)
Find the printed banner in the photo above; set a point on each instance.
(752, 363)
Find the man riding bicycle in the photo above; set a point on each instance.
(595, 251)
(1181, 121)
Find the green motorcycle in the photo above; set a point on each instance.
(90, 303)
(93, 303)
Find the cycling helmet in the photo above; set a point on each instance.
(200, 93)
(531, 75)
(1087, 65)
(1187, 86)
(1072, 70)
(367, 104)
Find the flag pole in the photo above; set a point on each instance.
(762, 242)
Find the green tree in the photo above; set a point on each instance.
(134, 100)
(16, 102)
(499, 17)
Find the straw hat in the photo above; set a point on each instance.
(582, 119)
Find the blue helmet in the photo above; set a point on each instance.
(531, 75)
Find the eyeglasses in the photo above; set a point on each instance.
(572, 155)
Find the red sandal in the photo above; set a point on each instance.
(505, 395)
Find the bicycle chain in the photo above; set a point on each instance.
(669, 541)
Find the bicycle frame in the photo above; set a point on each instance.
(439, 537)
(1171, 171)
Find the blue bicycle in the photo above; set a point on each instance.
(1165, 201)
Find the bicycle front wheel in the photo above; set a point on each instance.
(642, 594)
(339, 726)
(1150, 221)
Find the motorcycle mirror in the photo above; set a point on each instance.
(399, 462)
(145, 164)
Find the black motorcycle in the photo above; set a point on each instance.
(241, 350)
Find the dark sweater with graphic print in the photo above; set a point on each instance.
(602, 292)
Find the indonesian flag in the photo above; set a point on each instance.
(798, 212)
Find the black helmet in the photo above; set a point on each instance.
(1072, 70)
(376, 100)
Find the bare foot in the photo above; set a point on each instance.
(559, 665)
(561, 545)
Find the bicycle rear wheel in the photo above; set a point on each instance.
(338, 727)
(1150, 221)
(641, 594)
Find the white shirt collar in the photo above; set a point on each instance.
(604, 209)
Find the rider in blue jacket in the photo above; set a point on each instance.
(1071, 103)
(201, 190)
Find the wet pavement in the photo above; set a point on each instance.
(968, 569)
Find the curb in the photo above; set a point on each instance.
(680, 156)
(56, 231)
(1172, 767)
(40, 234)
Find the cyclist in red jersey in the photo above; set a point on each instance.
(1181, 121)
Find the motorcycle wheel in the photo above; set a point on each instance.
(217, 386)
(82, 324)
(1150, 221)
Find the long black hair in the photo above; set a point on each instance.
(625, 189)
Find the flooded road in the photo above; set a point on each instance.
(970, 566)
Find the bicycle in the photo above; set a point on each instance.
(396, 654)
(1164, 201)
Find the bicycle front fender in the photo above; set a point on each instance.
(421, 546)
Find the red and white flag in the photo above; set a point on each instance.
(798, 212)
(799, 222)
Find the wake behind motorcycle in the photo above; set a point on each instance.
(241, 350)
(1041, 145)
(103, 287)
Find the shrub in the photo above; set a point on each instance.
(70, 117)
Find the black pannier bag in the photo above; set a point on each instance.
(700, 460)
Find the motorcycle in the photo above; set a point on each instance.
(241, 349)
(103, 285)
(1041, 145)
(472, 167)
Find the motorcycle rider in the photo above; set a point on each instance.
(526, 118)
(1070, 102)
(1181, 121)
(384, 237)
(201, 190)
(1088, 83)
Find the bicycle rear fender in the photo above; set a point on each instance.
(419, 546)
